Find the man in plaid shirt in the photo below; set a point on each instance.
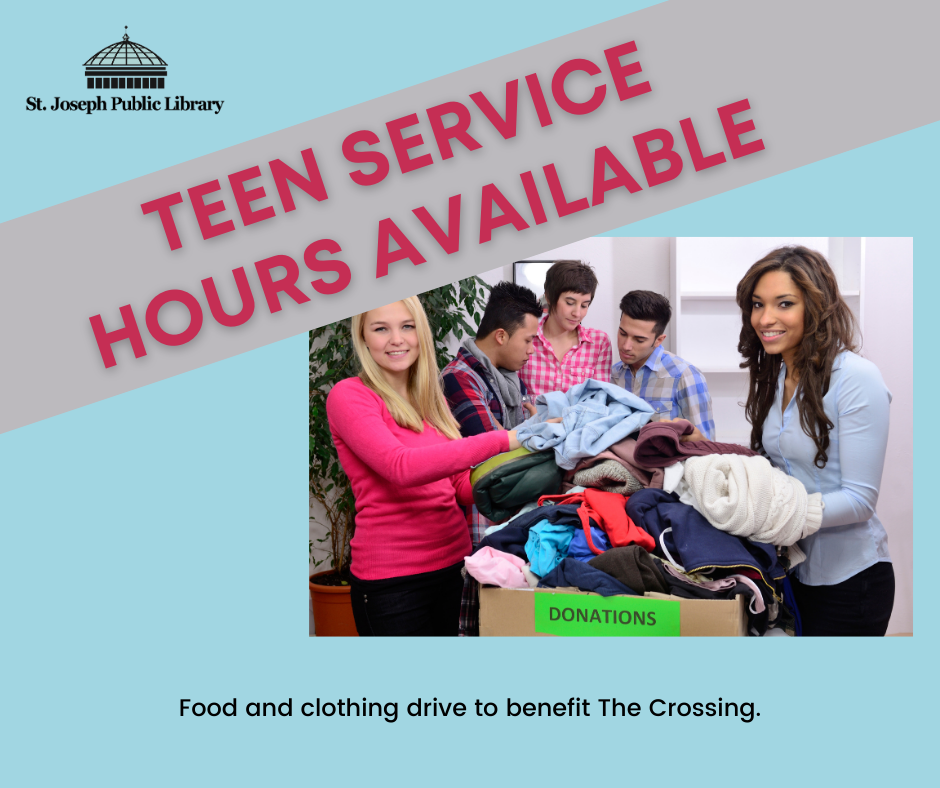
(670, 384)
(485, 393)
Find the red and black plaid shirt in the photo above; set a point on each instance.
(476, 407)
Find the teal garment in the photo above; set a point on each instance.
(547, 546)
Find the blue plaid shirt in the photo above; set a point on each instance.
(672, 386)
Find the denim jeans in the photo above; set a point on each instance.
(427, 604)
(859, 606)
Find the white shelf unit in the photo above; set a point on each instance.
(706, 322)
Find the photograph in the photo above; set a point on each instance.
(632, 437)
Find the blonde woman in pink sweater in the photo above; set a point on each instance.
(409, 469)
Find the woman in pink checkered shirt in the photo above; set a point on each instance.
(567, 353)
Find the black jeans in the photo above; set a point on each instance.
(426, 604)
(859, 606)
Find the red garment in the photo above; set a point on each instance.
(407, 485)
(608, 510)
(658, 445)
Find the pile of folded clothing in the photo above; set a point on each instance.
(606, 502)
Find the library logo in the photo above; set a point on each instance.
(125, 73)
(125, 65)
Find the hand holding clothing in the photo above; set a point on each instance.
(358, 416)
(695, 435)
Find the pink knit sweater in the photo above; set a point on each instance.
(407, 485)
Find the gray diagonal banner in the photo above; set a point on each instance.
(743, 90)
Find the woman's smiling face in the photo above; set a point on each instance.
(389, 333)
(777, 310)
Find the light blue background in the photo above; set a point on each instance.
(152, 545)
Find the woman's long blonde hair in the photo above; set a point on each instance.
(424, 378)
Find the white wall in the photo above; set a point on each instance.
(621, 265)
(889, 343)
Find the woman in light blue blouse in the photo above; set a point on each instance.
(819, 411)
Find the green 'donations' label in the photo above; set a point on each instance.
(575, 615)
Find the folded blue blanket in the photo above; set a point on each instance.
(594, 415)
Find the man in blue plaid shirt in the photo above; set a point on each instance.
(670, 384)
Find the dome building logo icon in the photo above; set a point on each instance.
(125, 77)
(125, 65)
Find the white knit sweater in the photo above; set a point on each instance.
(747, 496)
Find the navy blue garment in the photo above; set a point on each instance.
(579, 550)
(513, 537)
(790, 601)
(510, 539)
(756, 622)
(697, 544)
(572, 573)
(566, 514)
(643, 513)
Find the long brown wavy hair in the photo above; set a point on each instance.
(829, 327)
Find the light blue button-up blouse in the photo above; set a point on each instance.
(852, 537)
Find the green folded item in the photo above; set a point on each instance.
(505, 483)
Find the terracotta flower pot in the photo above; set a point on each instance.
(332, 609)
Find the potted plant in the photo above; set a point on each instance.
(332, 358)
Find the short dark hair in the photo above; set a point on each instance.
(647, 305)
(506, 308)
(568, 276)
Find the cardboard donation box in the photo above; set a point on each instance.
(506, 612)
